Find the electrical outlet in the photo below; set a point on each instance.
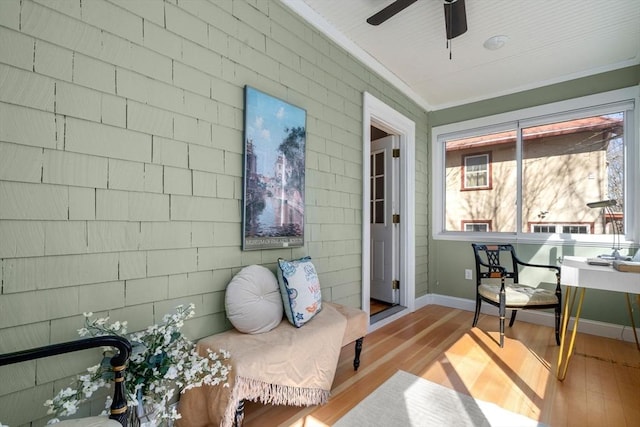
(467, 274)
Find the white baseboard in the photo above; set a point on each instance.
(538, 317)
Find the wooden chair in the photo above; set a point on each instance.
(509, 293)
(118, 363)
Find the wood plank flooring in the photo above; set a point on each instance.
(602, 387)
(376, 306)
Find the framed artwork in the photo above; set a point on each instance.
(274, 162)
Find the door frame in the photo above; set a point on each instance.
(379, 114)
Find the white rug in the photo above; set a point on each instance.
(407, 400)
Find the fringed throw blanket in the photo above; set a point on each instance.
(285, 366)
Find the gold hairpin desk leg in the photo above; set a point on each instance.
(563, 365)
(569, 301)
(566, 312)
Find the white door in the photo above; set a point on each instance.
(384, 232)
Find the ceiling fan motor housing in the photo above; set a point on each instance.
(455, 18)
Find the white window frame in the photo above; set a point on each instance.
(564, 110)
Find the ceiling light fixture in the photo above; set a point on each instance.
(495, 42)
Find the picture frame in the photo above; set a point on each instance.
(274, 172)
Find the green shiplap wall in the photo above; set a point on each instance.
(121, 165)
(612, 80)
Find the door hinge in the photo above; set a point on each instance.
(396, 152)
(396, 219)
(395, 284)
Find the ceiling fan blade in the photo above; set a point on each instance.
(455, 18)
(389, 11)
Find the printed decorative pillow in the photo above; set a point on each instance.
(253, 301)
(300, 289)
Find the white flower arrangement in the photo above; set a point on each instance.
(162, 359)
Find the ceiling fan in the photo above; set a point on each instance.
(455, 17)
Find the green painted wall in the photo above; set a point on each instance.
(121, 165)
(448, 259)
(617, 79)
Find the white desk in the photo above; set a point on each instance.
(577, 273)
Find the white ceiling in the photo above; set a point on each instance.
(550, 41)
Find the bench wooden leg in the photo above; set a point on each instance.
(239, 418)
(356, 360)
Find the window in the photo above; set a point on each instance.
(377, 188)
(544, 228)
(538, 168)
(477, 226)
(574, 229)
(569, 163)
(476, 172)
(474, 206)
(560, 228)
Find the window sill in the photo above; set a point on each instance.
(588, 240)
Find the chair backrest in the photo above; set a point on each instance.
(118, 362)
(494, 261)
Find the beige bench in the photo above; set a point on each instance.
(357, 324)
(253, 355)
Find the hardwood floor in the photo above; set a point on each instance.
(376, 306)
(602, 387)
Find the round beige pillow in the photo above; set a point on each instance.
(253, 300)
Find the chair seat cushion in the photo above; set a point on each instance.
(89, 422)
(518, 295)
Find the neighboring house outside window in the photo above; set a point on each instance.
(476, 171)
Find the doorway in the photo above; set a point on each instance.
(384, 223)
(380, 122)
